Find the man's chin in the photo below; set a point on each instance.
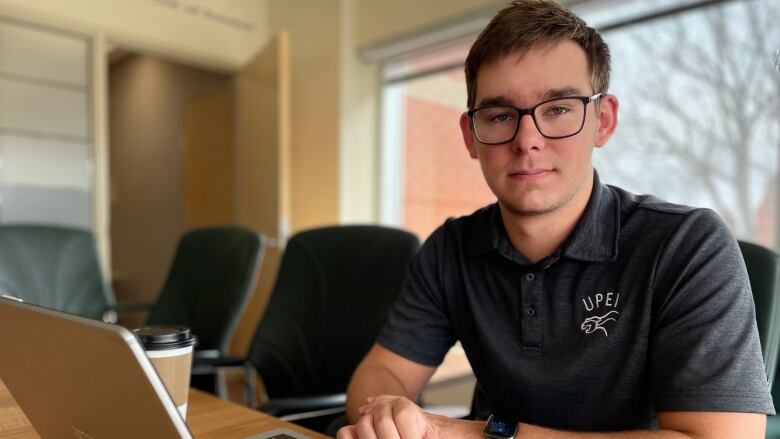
(529, 209)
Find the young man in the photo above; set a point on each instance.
(582, 308)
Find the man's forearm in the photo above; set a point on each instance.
(533, 432)
(474, 430)
(370, 380)
(388, 415)
(447, 427)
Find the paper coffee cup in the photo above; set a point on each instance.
(170, 351)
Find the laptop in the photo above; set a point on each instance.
(78, 378)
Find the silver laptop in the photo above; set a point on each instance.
(79, 378)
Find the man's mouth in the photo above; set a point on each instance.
(530, 174)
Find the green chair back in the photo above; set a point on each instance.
(56, 267)
(334, 290)
(211, 278)
(763, 267)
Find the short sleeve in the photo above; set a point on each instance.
(418, 327)
(705, 351)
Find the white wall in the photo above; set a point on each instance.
(219, 33)
(46, 143)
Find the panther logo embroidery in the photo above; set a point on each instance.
(594, 323)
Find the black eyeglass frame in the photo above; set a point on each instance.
(531, 112)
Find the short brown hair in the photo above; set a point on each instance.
(526, 23)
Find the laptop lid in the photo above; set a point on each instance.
(80, 378)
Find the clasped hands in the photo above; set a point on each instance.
(393, 417)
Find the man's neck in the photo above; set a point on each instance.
(538, 236)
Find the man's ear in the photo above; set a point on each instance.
(608, 118)
(468, 135)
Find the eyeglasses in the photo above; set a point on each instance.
(555, 119)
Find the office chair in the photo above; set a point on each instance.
(335, 288)
(210, 281)
(56, 267)
(763, 266)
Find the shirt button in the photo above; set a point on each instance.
(530, 276)
(530, 311)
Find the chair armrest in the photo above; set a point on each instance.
(209, 363)
(206, 354)
(294, 417)
(315, 405)
(111, 315)
(206, 363)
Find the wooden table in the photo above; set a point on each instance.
(210, 417)
(207, 417)
(13, 423)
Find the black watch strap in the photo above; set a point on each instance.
(498, 427)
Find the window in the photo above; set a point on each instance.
(435, 177)
(698, 122)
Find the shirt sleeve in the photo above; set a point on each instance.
(705, 350)
(418, 327)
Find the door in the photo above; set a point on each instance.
(237, 166)
(262, 166)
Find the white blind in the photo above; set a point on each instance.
(45, 125)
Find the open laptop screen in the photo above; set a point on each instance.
(75, 377)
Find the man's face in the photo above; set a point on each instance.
(533, 175)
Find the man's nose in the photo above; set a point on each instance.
(528, 136)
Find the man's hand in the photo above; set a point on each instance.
(392, 417)
(384, 372)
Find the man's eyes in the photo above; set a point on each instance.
(499, 117)
(558, 110)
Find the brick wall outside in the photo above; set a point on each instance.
(441, 179)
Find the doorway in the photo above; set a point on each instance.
(148, 103)
(190, 148)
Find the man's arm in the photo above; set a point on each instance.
(397, 417)
(385, 372)
(673, 425)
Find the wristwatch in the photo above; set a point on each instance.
(500, 428)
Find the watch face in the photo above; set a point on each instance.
(500, 428)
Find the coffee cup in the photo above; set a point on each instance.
(170, 351)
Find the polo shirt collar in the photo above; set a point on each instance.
(594, 238)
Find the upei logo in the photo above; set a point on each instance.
(594, 323)
(605, 306)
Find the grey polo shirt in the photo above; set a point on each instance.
(646, 307)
